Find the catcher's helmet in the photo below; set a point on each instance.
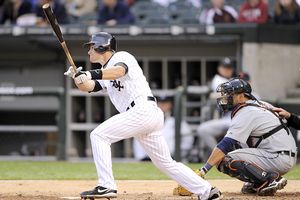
(102, 42)
(228, 89)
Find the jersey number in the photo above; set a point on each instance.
(117, 84)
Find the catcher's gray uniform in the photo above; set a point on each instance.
(277, 152)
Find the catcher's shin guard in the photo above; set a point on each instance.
(247, 172)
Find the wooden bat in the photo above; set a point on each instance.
(55, 26)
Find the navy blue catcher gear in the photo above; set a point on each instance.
(247, 172)
(228, 89)
(102, 42)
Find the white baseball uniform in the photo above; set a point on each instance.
(139, 117)
(168, 132)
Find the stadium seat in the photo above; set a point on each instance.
(236, 4)
(185, 16)
(144, 6)
(180, 5)
(147, 12)
(89, 19)
(151, 16)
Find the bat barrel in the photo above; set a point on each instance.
(53, 22)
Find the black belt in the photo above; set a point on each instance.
(287, 153)
(132, 104)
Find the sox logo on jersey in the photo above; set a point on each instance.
(117, 84)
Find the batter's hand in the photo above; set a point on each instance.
(71, 72)
(81, 78)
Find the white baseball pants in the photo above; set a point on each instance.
(144, 122)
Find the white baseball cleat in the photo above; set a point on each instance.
(214, 194)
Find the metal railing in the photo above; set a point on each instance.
(178, 105)
(61, 121)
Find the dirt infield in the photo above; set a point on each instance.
(128, 190)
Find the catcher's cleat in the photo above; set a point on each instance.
(99, 192)
(272, 187)
(248, 188)
(214, 194)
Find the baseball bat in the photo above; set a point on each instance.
(53, 22)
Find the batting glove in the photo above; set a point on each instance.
(71, 72)
(85, 73)
(81, 78)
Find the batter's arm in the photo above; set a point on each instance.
(84, 86)
(111, 73)
(84, 83)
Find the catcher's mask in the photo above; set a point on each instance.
(230, 88)
(102, 42)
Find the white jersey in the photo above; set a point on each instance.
(129, 87)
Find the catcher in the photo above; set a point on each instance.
(271, 149)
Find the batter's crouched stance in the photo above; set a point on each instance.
(271, 150)
(123, 80)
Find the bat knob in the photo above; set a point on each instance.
(47, 5)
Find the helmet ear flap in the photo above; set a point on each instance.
(113, 44)
(101, 49)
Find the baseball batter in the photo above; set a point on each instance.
(123, 80)
(271, 150)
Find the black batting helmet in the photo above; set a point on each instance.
(228, 89)
(102, 42)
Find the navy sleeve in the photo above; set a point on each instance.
(227, 145)
(123, 65)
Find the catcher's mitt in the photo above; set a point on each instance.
(181, 191)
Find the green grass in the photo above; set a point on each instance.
(31, 170)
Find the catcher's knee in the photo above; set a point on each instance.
(245, 171)
(235, 168)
